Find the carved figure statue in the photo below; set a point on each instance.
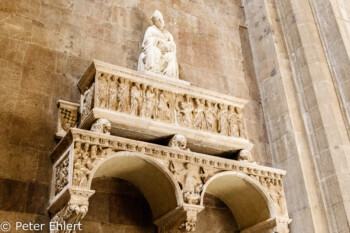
(103, 92)
(233, 122)
(185, 115)
(158, 49)
(240, 123)
(101, 126)
(210, 116)
(200, 121)
(123, 95)
(151, 102)
(113, 93)
(135, 99)
(87, 101)
(80, 174)
(164, 113)
(222, 120)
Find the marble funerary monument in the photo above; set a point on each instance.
(174, 141)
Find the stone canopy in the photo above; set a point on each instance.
(168, 138)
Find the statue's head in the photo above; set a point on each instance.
(157, 19)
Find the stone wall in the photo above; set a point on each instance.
(47, 44)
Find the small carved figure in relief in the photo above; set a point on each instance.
(151, 102)
(80, 174)
(113, 93)
(135, 99)
(143, 88)
(192, 185)
(77, 151)
(164, 113)
(240, 122)
(123, 95)
(158, 49)
(186, 112)
(277, 195)
(233, 121)
(88, 100)
(102, 92)
(200, 121)
(222, 119)
(210, 116)
(101, 126)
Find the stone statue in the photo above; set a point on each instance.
(158, 49)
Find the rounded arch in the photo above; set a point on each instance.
(249, 203)
(156, 183)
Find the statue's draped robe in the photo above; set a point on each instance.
(158, 53)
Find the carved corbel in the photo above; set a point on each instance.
(67, 219)
(178, 141)
(282, 225)
(245, 156)
(102, 126)
(191, 217)
(67, 117)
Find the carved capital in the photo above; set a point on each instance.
(282, 225)
(191, 218)
(71, 212)
(184, 216)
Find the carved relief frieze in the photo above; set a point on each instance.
(61, 175)
(87, 100)
(146, 101)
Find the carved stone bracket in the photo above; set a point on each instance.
(67, 117)
(67, 218)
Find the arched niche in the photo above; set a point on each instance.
(248, 202)
(156, 183)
